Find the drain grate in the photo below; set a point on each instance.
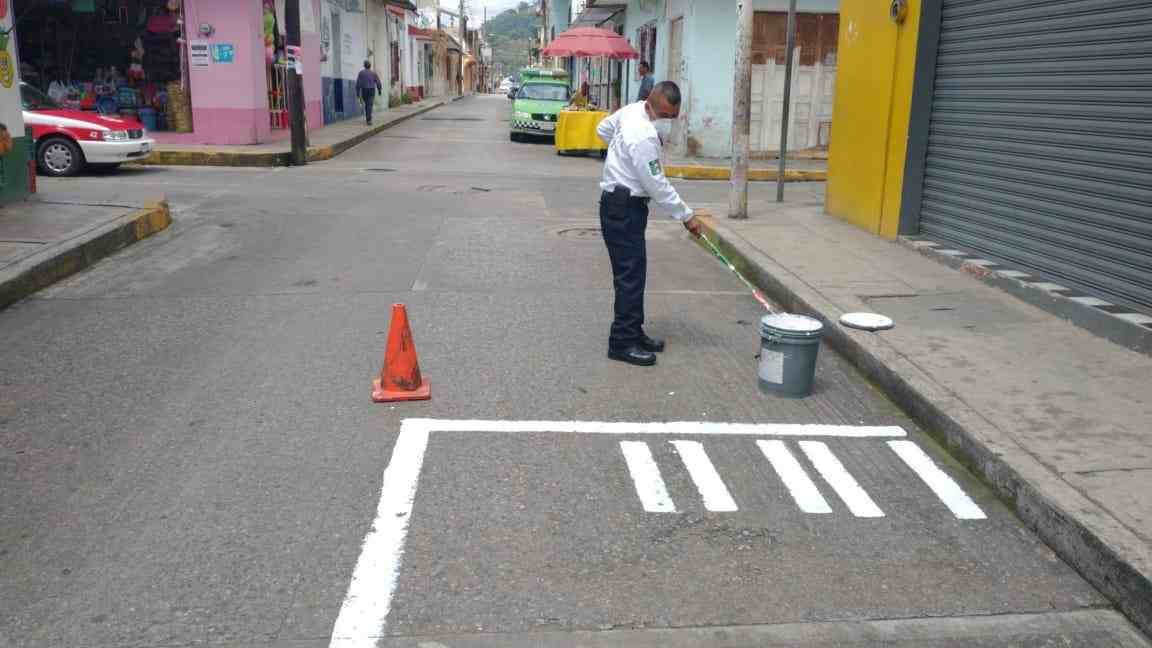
(378, 170)
(580, 233)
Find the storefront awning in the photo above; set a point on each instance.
(399, 11)
(596, 15)
(421, 33)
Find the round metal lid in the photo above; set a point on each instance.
(867, 321)
(791, 324)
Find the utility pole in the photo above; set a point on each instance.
(788, 55)
(296, 83)
(741, 111)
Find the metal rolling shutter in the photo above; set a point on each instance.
(1040, 144)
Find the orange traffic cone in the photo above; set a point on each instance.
(400, 379)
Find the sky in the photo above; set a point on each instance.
(476, 7)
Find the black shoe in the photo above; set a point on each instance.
(633, 355)
(654, 345)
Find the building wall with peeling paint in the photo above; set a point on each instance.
(709, 54)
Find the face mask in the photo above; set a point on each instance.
(663, 128)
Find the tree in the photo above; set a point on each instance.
(512, 34)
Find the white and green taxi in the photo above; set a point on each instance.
(536, 106)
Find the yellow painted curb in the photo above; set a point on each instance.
(64, 258)
(155, 217)
(690, 172)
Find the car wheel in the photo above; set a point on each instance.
(59, 157)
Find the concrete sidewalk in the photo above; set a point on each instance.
(806, 166)
(51, 236)
(1056, 419)
(323, 144)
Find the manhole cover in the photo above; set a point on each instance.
(580, 233)
(464, 119)
(435, 188)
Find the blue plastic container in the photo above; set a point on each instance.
(148, 118)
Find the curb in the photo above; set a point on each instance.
(161, 157)
(690, 172)
(1104, 552)
(60, 260)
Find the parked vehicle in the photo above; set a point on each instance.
(67, 141)
(537, 105)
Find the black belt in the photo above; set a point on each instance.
(622, 195)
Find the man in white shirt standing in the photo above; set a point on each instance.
(632, 177)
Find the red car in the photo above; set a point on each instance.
(68, 140)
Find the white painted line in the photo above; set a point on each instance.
(799, 485)
(1090, 301)
(1013, 274)
(1048, 286)
(646, 476)
(365, 608)
(951, 252)
(1135, 318)
(840, 480)
(944, 486)
(983, 263)
(677, 428)
(712, 489)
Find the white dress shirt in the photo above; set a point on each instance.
(634, 159)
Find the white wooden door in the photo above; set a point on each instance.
(810, 114)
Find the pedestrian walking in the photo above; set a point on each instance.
(646, 81)
(632, 177)
(367, 84)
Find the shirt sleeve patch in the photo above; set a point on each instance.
(654, 167)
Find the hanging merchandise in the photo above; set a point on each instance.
(269, 31)
(116, 57)
(136, 67)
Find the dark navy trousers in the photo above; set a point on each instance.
(623, 220)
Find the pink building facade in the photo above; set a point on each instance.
(233, 89)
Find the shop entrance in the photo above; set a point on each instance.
(337, 65)
(116, 57)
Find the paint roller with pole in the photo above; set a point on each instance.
(859, 320)
(756, 294)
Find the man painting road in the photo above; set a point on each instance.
(367, 84)
(632, 176)
(646, 81)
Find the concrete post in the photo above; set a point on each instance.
(741, 112)
(788, 59)
(296, 83)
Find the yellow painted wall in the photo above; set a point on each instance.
(870, 116)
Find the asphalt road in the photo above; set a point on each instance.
(188, 453)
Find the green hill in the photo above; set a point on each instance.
(512, 35)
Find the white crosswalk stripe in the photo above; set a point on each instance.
(716, 496)
(841, 481)
(712, 489)
(944, 486)
(646, 477)
(795, 479)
